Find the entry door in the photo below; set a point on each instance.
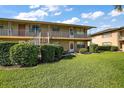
(71, 33)
(21, 29)
(71, 46)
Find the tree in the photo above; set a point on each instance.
(119, 8)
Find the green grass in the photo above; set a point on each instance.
(93, 70)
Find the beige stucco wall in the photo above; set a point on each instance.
(65, 44)
(98, 39)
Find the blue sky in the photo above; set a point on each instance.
(102, 17)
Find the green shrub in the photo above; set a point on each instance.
(4, 53)
(114, 48)
(107, 48)
(58, 51)
(24, 54)
(104, 48)
(93, 48)
(83, 50)
(51, 52)
(48, 53)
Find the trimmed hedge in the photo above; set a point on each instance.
(104, 48)
(47, 53)
(51, 52)
(107, 48)
(114, 48)
(93, 48)
(4, 53)
(24, 54)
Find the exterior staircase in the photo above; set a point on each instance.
(39, 39)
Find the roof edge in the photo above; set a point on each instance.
(107, 31)
(45, 22)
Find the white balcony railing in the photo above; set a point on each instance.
(66, 35)
(26, 33)
(7, 32)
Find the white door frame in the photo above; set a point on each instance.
(70, 35)
(71, 50)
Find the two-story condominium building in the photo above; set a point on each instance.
(70, 36)
(113, 36)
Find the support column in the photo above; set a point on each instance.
(9, 29)
(48, 34)
(85, 32)
(27, 30)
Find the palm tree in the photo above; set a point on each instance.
(119, 8)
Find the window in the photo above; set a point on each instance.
(80, 45)
(1, 26)
(35, 28)
(55, 28)
(107, 43)
(80, 32)
(122, 34)
(106, 35)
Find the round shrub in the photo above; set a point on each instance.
(4, 53)
(24, 54)
(48, 53)
(93, 48)
(51, 52)
(83, 50)
(58, 51)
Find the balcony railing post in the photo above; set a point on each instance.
(9, 29)
(48, 35)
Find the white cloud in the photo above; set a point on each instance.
(113, 20)
(54, 10)
(68, 9)
(57, 13)
(72, 20)
(115, 13)
(40, 12)
(32, 15)
(58, 21)
(92, 15)
(103, 27)
(85, 22)
(34, 6)
(50, 8)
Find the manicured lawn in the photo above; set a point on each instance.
(93, 70)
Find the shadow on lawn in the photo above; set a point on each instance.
(64, 57)
(69, 57)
